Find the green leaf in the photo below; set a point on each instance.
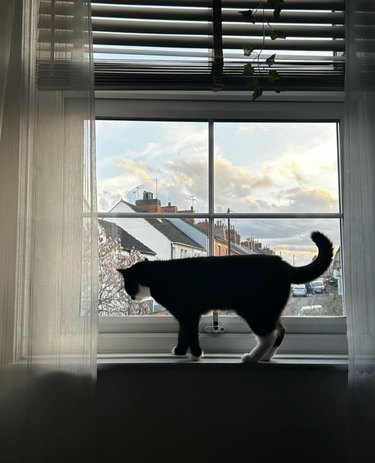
(248, 69)
(257, 93)
(254, 83)
(271, 60)
(277, 35)
(275, 3)
(249, 16)
(273, 76)
(276, 12)
(248, 50)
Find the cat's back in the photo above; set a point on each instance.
(216, 267)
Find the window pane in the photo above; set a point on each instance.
(125, 241)
(258, 167)
(276, 167)
(166, 161)
(290, 239)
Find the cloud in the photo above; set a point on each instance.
(311, 200)
(297, 176)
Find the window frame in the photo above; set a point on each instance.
(154, 335)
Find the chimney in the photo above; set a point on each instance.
(148, 203)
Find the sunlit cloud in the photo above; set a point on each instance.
(310, 200)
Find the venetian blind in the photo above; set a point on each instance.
(199, 44)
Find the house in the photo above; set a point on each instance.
(161, 235)
(186, 237)
(225, 243)
(127, 241)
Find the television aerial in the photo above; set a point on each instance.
(135, 191)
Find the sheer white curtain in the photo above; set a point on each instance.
(48, 232)
(359, 225)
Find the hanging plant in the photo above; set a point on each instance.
(256, 69)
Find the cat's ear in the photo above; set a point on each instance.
(146, 260)
(122, 271)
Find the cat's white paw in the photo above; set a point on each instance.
(268, 356)
(247, 358)
(195, 358)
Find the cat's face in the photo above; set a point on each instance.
(135, 290)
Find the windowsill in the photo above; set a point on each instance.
(225, 360)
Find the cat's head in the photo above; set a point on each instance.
(134, 289)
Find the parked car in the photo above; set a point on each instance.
(299, 291)
(318, 286)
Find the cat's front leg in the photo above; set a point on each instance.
(182, 346)
(190, 328)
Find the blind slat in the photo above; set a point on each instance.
(245, 4)
(197, 14)
(198, 42)
(202, 14)
(126, 26)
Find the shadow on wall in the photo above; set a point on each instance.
(176, 413)
(229, 413)
(46, 417)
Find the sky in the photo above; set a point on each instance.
(258, 167)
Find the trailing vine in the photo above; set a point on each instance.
(254, 68)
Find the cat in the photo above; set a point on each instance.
(255, 286)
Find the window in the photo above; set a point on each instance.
(192, 187)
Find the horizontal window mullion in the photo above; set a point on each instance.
(222, 215)
(232, 323)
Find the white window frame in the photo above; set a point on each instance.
(157, 335)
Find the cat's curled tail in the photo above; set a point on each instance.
(318, 266)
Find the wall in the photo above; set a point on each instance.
(207, 412)
(143, 231)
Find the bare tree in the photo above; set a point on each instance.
(113, 300)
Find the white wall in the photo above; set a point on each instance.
(147, 234)
(143, 232)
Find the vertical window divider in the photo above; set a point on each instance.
(211, 192)
(215, 328)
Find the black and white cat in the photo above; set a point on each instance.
(255, 286)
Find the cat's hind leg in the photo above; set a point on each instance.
(279, 339)
(264, 345)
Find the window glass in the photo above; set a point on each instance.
(289, 239)
(166, 161)
(276, 167)
(269, 168)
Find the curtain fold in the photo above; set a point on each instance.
(359, 224)
(48, 231)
